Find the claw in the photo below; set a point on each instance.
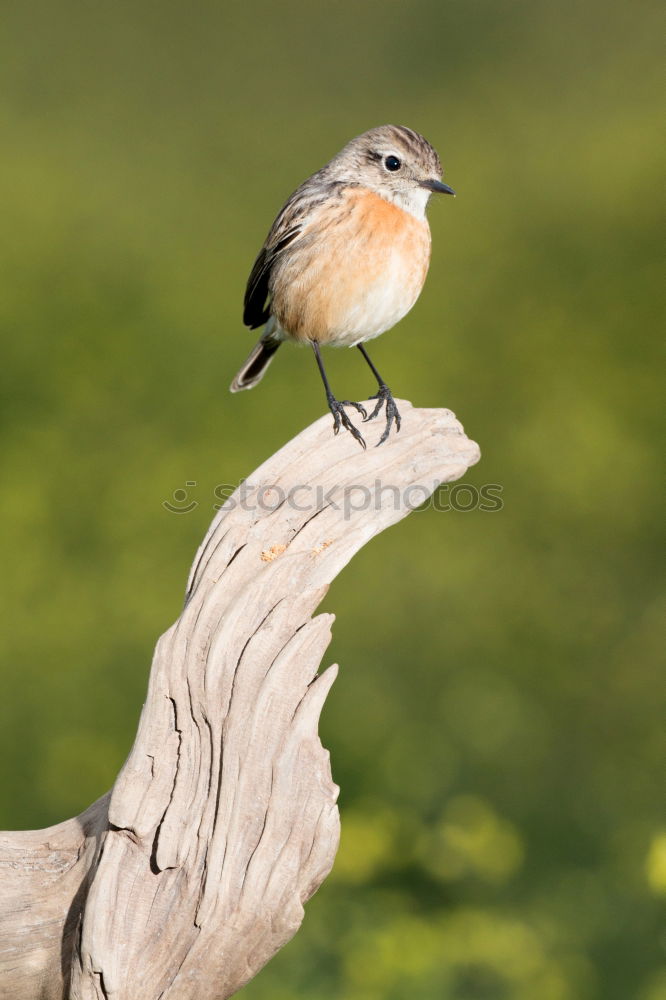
(361, 409)
(340, 418)
(377, 408)
(385, 397)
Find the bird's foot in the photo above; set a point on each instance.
(385, 397)
(341, 419)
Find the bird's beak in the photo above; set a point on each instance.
(437, 186)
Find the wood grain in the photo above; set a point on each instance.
(193, 871)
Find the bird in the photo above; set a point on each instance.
(345, 260)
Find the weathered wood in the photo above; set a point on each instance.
(187, 878)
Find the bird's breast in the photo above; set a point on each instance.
(356, 271)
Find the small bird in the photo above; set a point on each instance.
(346, 259)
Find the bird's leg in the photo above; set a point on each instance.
(336, 407)
(383, 396)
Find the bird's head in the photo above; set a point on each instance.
(394, 162)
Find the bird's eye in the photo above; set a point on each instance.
(392, 163)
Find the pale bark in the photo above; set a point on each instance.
(192, 872)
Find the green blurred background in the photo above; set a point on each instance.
(496, 725)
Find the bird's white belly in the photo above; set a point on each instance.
(376, 306)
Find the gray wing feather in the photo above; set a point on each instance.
(287, 228)
(256, 309)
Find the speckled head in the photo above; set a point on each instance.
(393, 161)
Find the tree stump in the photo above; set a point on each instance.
(185, 879)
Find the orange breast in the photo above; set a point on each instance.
(360, 269)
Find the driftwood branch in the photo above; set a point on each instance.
(185, 879)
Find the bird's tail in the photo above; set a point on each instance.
(255, 365)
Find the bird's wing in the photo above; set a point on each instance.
(256, 309)
(291, 227)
